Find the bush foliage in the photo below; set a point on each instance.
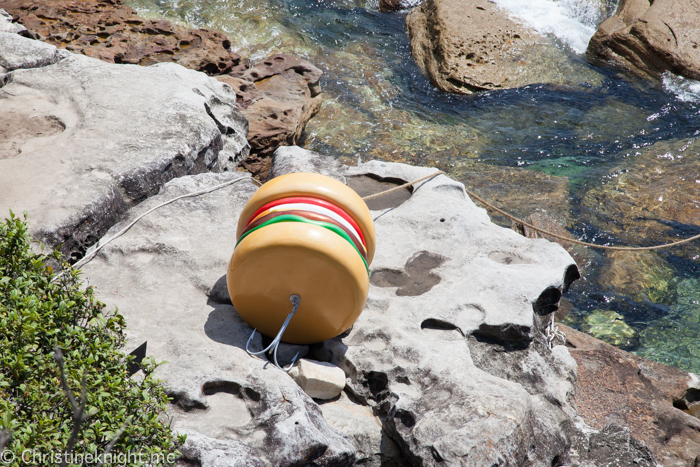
(38, 315)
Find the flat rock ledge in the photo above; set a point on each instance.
(448, 363)
(651, 37)
(82, 141)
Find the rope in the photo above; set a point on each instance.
(405, 185)
(99, 245)
(537, 229)
(91, 253)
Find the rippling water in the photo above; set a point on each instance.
(612, 158)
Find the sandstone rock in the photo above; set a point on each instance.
(320, 380)
(651, 37)
(277, 96)
(616, 387)
(17, 52)
(113, 32)
(212, 452)
(473, 45)
(407, 356)
(374, 447)
(106, 137)
(6, 24)
(163, 288)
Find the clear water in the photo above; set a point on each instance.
(614, 159)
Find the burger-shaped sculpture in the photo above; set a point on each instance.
(305, 243)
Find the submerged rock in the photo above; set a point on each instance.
(651, 37)
(674, 338)
(641, 275)
(113, 32)
(653, 192)
(87, 140)
(469, 46)
(608, 326)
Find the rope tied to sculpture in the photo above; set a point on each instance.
(97, 247)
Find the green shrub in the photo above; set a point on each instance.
(38, 315)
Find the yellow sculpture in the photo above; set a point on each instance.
(307, 239)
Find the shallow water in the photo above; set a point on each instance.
(613, 158)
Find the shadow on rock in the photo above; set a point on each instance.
(225, 325)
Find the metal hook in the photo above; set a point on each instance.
(295, 299)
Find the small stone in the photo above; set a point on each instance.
(320, 380)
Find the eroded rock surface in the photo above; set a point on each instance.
(458, 372)
(113, 32)
(277, 96)
(473, 45)
(651, 37)
(86, 140)
(653, 400)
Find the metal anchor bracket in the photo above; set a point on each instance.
(295, 299)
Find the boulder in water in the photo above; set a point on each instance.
(651, 37)
(473, 45)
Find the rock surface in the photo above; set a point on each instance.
(79, 155)
(651, 37)
(320, 380)
(112, 32)
(219, 391)
(458, 370)
(277, 96)
(653, 400)
(468, 46)
(7, 25)
(18, 52)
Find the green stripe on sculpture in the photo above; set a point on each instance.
(292, 218)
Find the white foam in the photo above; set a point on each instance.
(572, 21)
(686, 90)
